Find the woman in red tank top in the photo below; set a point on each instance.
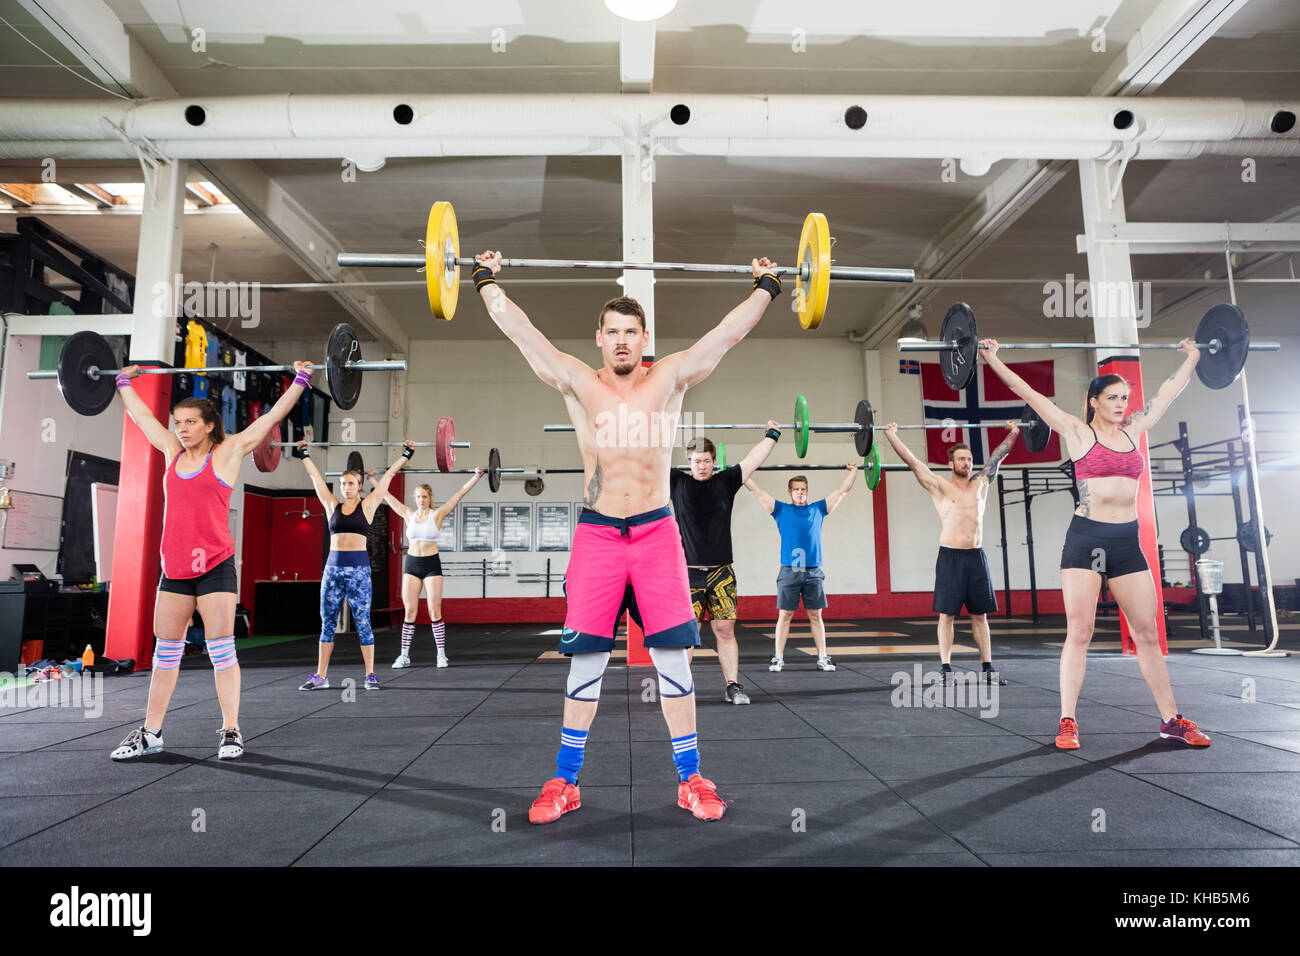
(198, 567)
(1103, 536)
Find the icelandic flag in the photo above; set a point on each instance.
(987, 399)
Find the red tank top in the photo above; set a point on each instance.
(196, 521)
(1102, 462)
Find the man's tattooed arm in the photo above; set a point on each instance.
(593, 488)
(990, 470)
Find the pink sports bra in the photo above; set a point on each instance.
(1102, 462)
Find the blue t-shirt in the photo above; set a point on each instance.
(801, 533)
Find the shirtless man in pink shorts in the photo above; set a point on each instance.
(627, 551)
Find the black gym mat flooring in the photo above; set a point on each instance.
(439, 767)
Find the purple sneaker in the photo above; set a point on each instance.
(1179, 727)
(316, 682)
(372, 682)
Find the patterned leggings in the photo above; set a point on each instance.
(354, 584)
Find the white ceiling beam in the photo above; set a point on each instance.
(91, 32)
(1175, 30)
(305, 240)
(636, 56)
(1165, 238)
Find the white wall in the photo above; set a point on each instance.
(37, 429)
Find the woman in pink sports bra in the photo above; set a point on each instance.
(1103, 536)
(198, 563)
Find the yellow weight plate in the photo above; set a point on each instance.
(815, 249)
(440, 239)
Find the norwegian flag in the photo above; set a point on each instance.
(987, 399)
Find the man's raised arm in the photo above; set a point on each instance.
(557, 369)
(696, 363)
(923, 474)
(990, 470)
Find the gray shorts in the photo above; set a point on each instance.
(793, 583)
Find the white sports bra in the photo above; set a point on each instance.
(421, 530)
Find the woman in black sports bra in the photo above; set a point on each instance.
(347, 572)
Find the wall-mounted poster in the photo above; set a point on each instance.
(515, 528)
(34, 522)
(476, 526)
(554, 528)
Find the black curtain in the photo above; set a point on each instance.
(77, 540)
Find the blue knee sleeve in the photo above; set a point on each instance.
(167, 654)
(221, 651)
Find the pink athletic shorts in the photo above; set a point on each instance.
(636, 564)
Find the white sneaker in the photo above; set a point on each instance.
(402, 661)
(777, 664)
(824, 664)
(442, 660)
(138, 743)
(232, 744)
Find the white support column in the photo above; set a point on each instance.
(158, 263)
(1115, 319)
(638, 231)
(1110, 273)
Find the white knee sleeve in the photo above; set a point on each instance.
(674, 667)
(586, 671)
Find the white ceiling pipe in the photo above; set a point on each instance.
(368, 152)
(600, 116)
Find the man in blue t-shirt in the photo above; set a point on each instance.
(800, 525)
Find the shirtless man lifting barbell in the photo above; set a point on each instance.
(961, 575)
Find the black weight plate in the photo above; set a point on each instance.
(85, 395)
(865, 436)
(494, 470)
(344, 382)
(1227, 324)
(356, 462)
(1246, 535)
(958, 365)
(1034, 435)
(1195, 541)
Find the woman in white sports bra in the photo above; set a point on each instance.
(422, 566)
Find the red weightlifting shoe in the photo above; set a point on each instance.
(699, 796)
(1067, 734)
(1179, 727)
(558, 797)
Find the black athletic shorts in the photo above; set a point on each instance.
(961, 576)
(1109, 548)
(713, 591)
(219, 579)
(429, 566)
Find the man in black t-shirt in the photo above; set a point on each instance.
(702, 502)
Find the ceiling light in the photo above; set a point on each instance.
(641, 10)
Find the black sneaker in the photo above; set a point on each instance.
(735, 694)
(993, 677)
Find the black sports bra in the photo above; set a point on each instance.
(354, 523)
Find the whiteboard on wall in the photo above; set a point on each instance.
(103, 513)
(34, 522)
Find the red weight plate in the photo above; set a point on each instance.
(446, 434)
(267, 455)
